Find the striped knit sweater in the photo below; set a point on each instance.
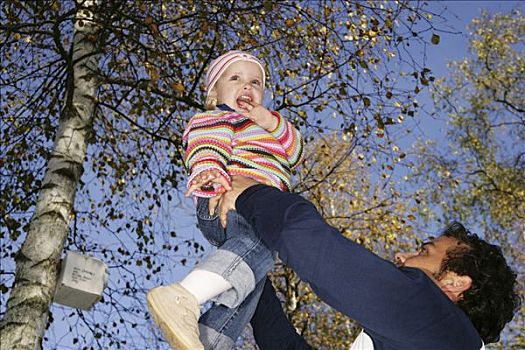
(235, 145)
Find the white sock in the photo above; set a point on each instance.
(205, 285)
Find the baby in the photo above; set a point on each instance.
(236, 136)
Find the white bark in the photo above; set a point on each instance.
(28, 306)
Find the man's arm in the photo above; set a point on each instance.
(344, 274)
(271, 328)
(402, 305)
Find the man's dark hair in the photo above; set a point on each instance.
(492, 300)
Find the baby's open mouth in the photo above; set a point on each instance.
(244, 98)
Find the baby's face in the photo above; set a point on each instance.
(240, 81)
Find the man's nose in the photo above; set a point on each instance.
(247, 86)
(400, 258)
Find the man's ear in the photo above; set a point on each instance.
(453, 285)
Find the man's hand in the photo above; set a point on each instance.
(207, 177)
(227, 200)
(259, 115)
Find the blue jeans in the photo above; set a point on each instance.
(243, 260)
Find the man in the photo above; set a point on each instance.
(456, 292)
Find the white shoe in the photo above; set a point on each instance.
(176, 312)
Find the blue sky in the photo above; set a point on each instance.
(459, 14)
(453, 46)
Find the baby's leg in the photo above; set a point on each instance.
(230, 273)
(175, 308)
(233, 270)
(243, 260)
(205, 284)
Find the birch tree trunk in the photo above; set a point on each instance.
(28, 306)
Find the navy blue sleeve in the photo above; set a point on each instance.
(398, 306)
(271, 328)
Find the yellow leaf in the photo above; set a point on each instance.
(178, 87)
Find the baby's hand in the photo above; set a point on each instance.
(259, 114)
(208, 177)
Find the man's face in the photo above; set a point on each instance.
(429, 258)
(430, 255)
(240, 81)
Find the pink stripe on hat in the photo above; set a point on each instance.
(221, 63)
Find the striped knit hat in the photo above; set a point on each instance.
(221, 63)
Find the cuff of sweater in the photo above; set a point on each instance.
(215, 189)
(280, 130)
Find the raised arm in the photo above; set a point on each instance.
(402, 305)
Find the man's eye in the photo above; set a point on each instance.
(234, 77)
(256, 82)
